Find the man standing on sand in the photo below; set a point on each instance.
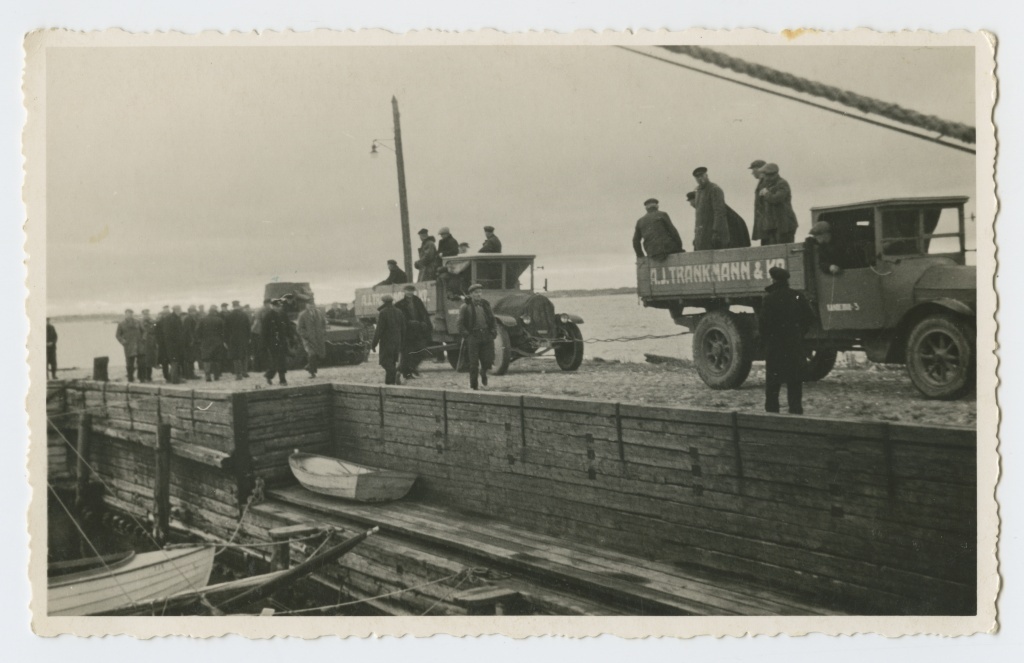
(491, 242)
(784, 318)
(150, 350)
(777, 205)
(312, 327)
(656, 233)
(417, 332)
(51, 349)
(478, 330)
(171, 336)
(389, 335)
(129, 335)
(237, 329)
(276, 333)
(712, 222)
(211, 343)
(189, 329)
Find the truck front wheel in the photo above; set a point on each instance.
(819, 364)
(941, 356)
(569, 350)
(722, 347)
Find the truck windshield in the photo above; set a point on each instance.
(921, 231)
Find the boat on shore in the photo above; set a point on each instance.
(98, 585)
(351, 481)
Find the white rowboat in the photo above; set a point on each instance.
(339, 478)
(134, 579)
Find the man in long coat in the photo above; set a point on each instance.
(478, 329)
(448, 245)
(129, 335)
(312, 328)
(238, 329)
(211, 343)
(755, 171)
(171, 337)
(190, 329)
(491, 242)
(429, 259)
(418, 332)
(712, 222)
(656, 233)
(150, 350)
(276, 333)
(396, 275)
(51, 349)
(780, 223)
(389, 335)
(783, 321)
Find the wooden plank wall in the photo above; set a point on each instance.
(280, 421)
(870, 517)
(60, 422)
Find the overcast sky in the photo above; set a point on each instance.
(197, 175)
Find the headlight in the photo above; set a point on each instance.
(525, 319)
(564, 318)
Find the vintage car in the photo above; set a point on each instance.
(348, 341)
(528, 325)
(904, 295)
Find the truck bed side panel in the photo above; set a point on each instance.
(722, 273)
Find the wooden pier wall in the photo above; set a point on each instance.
(868, 517)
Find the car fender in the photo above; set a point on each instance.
(506, 320)
(572, 317)
(954, 305)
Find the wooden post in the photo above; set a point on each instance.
(281, 556)
(82, 462)
(162, 484)
(403, 202)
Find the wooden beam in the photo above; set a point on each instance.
(82, 464)
(162, 484)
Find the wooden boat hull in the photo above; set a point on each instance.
(351, 481)
(145, 577)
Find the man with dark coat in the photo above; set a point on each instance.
(780, 223)
(211, 343)
(830, 259)
(396, 275)
(150, 350)
(171, 337)
(655, 231)
(783, 321)
(755, 171)
(418, 332)
(711, 229)
(478, 329)
(51, 349)
(429, 259)
(190, 329)
(129, 335)
(491, 242)
(238, 329)
(276, 332)
(389, 335)
(739, 237)
(448, 246)
(259, 350)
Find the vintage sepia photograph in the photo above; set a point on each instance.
(671, 333)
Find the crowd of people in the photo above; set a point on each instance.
(716, 225)
(222, 339)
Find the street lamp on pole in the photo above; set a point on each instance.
(403, 203)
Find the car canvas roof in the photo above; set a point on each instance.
(894, 202)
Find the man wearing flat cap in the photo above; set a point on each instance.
(448, 246)
(429, 259)
(478, 329)
(396, 275)
(418, 332)
(655, 233)
(712, 222)
(783, 320)
(779, 225)
(755, 170)
(277, 333)
(210, 334)
(491, 242)
(389, 335)
(238, 330)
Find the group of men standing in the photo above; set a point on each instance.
(716, 225)
(404, 332)
(431, 251)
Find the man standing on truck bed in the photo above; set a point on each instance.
(712, 222)
(478, 330)
(777, 207)
(755, 170)
(784, 318)
(429, 260)
(656, 232)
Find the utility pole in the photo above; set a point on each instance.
(402, 202)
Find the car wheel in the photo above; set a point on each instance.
(819, 364)
(941, 356)
(569, 350)
(722, 350)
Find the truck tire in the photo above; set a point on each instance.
(722, 349)
(502, 352)
(941, 356)
(819, 364)
(569, 353)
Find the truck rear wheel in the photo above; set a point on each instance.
(941, 356)
(819, 364)
(502, 352)
(569, 352)
(722, 345)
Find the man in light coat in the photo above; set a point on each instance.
(129, 335)
(312, 328)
